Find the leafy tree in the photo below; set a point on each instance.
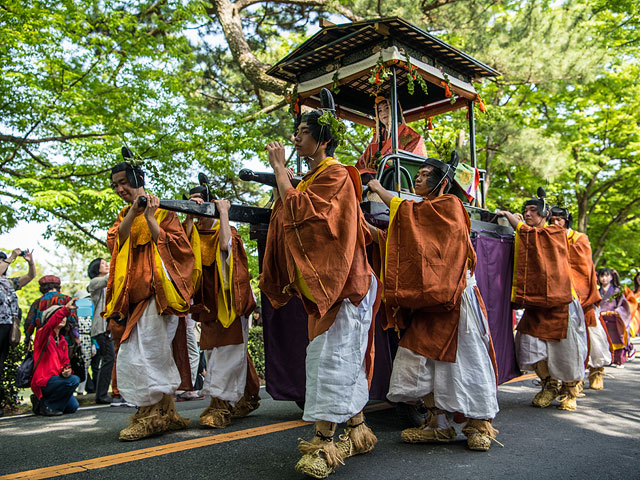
(184, 84)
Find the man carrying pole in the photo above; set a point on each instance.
(222, 303)
(551, 333)
(316, 251)
(149, 287)
(445, 357)
(583, 275)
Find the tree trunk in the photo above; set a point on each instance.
(230, 21)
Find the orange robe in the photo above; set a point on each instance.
(316, 247)
(408, 140)
(583, 275)
(142, 283)
(321, 232)
(542, 281)
(427, 254)
(634, 300)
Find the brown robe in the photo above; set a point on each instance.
(205, 299)
(142, 285)
(428, 253)
(321, 231)
(542, 281)
(583, 275)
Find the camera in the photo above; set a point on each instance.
(23, 253)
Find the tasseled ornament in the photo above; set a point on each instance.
(481, 104)
(429, 124)
(447, 92)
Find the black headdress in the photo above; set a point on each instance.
(446, 170)
(323, 123)
(94, 267)
(202, 189)
(540, 202)
(563, 213)
(134, 174)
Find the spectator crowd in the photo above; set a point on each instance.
(69, 340)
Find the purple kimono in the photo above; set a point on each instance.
(616, 313)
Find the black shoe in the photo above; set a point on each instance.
(35, 403)
(103, 401)
(48, 412)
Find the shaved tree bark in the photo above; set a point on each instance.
(228, 15)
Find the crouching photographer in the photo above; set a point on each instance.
(53, 383)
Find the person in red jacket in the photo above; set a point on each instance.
(53, 383)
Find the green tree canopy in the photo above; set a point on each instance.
(183, 84)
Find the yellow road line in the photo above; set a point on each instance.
(141, 454)
(514, 380)
(101, 462)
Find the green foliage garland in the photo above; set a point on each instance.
(292, 99)
(335, 85)
(337, 128)
(414, 76)
(448, 87)
(379, 73)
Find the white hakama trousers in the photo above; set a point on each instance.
(565, 358)
(599, 353)
(467, 385)
(336, 386)
(227, 369)
(145, 367)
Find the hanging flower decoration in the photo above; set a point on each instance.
(481, 104)
(294, 101)
(447, 91)
(447, 87)
(378, 74)
(414, 76)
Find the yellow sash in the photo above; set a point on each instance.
(393, 210)
(327, 162)
(196, 276)
(226, 305)
(208, 249)
(515, 261)
(138, 236)
(573, 236)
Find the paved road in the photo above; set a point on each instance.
(601, 440)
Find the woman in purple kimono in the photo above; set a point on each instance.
(616, 313)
